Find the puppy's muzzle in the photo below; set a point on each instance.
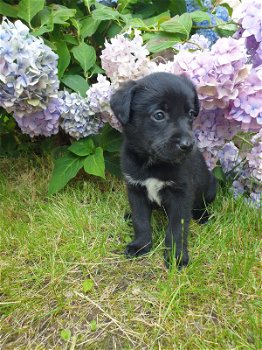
(186, 144)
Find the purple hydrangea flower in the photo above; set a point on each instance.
(249, 182)
(254, 157)
(212, 131)
(44, 122)
(246, 108)
(229, 158)
(248, 15)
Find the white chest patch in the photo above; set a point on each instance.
(153, 186)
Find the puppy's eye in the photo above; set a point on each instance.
(159, 116)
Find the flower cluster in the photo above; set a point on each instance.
(246, 108)
(196, 42)
(220, 12)
(212, 131)
(109, 3)
(99, 101)
(230, 159)
(43, 122)
(249, 181)
(78, 120)
(217, 73)
(28, 71)
(248, 15)
(124, 59)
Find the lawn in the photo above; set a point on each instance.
(66, 284)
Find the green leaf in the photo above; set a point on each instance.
(76, 24)
(46, 19)
(153, 21)
(64, 57)
(177, 7)
(70, 39)
(85, 55)
(61, 14)
(8, 10)
(76, 83)
(27, 9)
(178, 24)
(219, 174)
(226, 29)
(65, 334)
(83, 147)
(112, 163)
(134, 23)
(88, 26)
(162, 41)
(113, 30)
(88, 3)
(65, 169)
(43, 29)
(96, 70)
(199, 16)
(105, 13)
(88, 285)
(95, 163)
(109, 139)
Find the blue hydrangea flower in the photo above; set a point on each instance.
(28, 70)
(109, 3)
(220, 12)
(77, 118)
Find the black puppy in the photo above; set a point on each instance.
(160, 160)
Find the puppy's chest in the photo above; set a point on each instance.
(153, 187)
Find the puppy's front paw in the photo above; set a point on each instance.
(137, 248)
(181, 259)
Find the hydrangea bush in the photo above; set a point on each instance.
(226, 72)
(28, 79)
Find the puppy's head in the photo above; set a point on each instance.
(157, 113)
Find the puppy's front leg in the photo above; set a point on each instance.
(141, 215)
(178, 210)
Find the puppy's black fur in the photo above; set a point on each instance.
(160, 160)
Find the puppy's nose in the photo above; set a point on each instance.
(186, 145)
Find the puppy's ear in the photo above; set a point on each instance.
(121, 100)
(196, 99)
(196, 102)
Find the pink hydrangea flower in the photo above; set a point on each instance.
(216, 73)
(125, 58)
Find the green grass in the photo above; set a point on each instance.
(50, 246)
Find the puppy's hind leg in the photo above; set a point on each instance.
(141, 216)
(200, 212)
